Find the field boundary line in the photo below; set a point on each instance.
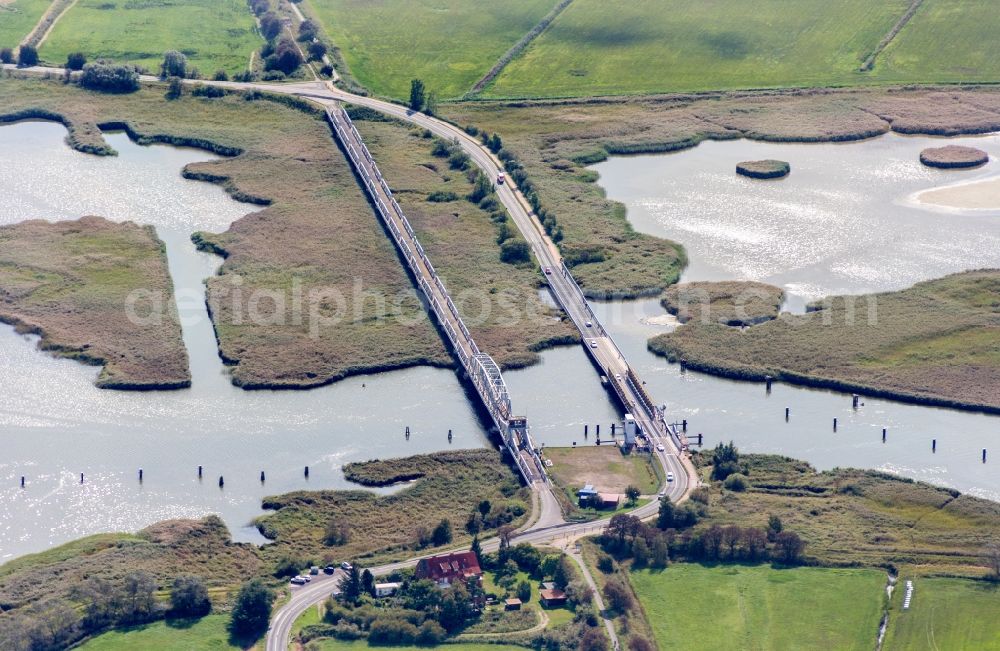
(56, 10)
(517, 48)
(869, 62)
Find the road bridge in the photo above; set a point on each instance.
(479, 367)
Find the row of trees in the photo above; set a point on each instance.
(280, 53)
(27, 56)
(421, 99)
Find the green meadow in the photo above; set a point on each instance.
(449, 44)
(694, 607)
(18, 18)
(205, 634)
(952, 614)
(214, 34)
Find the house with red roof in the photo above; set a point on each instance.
(447, 568)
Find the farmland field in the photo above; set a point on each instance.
(757, 607)
(599, 48)
(17, 18)
(214, 34)
(175, 635)
(449, 44)
(947, 40)
(953, 614)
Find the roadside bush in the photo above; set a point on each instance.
(288, 566)
(430, 633)
(260, 7)
(76, 61)
(220, 75)
(110, 78)
(189, 597)
(442, 197)
(392, 632)
(307, 30)
(6, 55)
(326, 70)
(515, 251)
(211, 92)
(27, 57)
(252, 610)
(317, 51)
(270, 25)
(273, 75)
(286, 57)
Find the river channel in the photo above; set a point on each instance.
(54, 424)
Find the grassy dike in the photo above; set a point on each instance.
(555, 141)
(69, 283)
(934, 343)
(317, 233)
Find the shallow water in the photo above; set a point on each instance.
(844, 221)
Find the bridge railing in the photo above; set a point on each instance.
(480, 367)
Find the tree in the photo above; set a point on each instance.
(637, 643)
(220, 75)
(660, 555)
(138, 602)
(442, 533)
(286, 57)
(252, 610)
(725, 460)
(456, 607)
(189, 598)
(593, 640)
(430, 633)
(632, 494)
(665, 517)
(640, 551)
(563, 573)
(76, 61)
(514, 251)
(430, 106)
(109, 78)
(790, 547)
(317, 51)
(174, 64)
(712, 539)
(101, 602)
(175, 89)
(307, 30)
(368, 582)
(732, 536)
(352, 586)
(6, 55)
(484, 508)
(417, 96)
(774, 527)
(270, 25)
(524, 591)
(477, 549)
(736, 482)
(481, 189)
(27, 56)
(578, 593)
(618, 595)
(754, 543)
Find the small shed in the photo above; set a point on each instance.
(552, 598)
(608, 501)
(586, 495)
(386, 589)
(512, 604)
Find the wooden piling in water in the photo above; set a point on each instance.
(22, 481)
(199, 472)
(262, 476)
(140, 475)
(767, 381)
(933, 445)
(883, 434)
(222, 482)
(307, 472)
(787, 413)
(834, 424)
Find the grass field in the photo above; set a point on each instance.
(327, 644)
(952, 614)
(449, 44)
(947, 40)
(604, 466)
(18, 18)
(206, 634)
(694, 607)
(935, 342)
(214, 34)
(600, 48)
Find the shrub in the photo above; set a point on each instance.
(175, 89)
(326, 70)
(252, 610)
(317, 51)
(6, 55)
(260, 7)
(220, 75)
(27, 57)
(110, 78)
(442, 197)
(211, 92)
(76, 61)
(189, 597)
(174, 64)
(736, 483)
(307, 30)
(286, 57)
(514, 251)
(270, 25)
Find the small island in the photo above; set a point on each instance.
(764, 169)
(953, 157)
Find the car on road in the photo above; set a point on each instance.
(298, 580)
(670, 476)
(618, 376)
(659, 446)
(589, 324)
(593, 343)
(345, 566)
(548, 271)
(662, 494)
(501, 178)
(330, 569)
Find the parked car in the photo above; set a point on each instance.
(330, 569)
(314, 570)
(501, 178)
(659, 446)
(345, 566)
(670, 476)
(548, 271)
(593, 343)
(298, 580)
